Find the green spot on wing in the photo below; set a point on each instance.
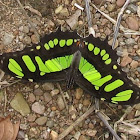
(108, 61)
(41, 65)
(105, 57)
(62, 43)
(69, 42)
(123, 96)
(96, 51)
(103, 52)
(50, 43)
(46, 46)
(15, 64)
(113, 85)
(29, 63)
(90, 47)
(14, 67)
(55, 41)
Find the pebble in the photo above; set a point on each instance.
(41, 121)
(77, 135)
(45, 135)
(27, 40)
(25, 29)
(138, 52)
(38, 108)
(31, 117)
(38, 92)
(111, 7)
(58, 9)
(64, 12)
(132, 8)
(20, 104)
(137, 114)
(33, 132)
(54, 135)
(50, 123)
(134, 64)
(79, 93)
(116, 44)
(7, 39)
(31, 97)
(120, 3)
(60, 103)
(138, 69)
(54, 92)
(34, 39)
(130, 41)
(21, 135)
(132, 23)
(47, 97)
(48, 86)
(125, 61)
(91, 132)
(72, 110)
(82, 137)
(86, 102)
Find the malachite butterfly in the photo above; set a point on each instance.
(65, 56)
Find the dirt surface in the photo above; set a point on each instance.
(44, 114)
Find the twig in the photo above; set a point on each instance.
(5, 100)
(100, 115)
(119, 22)
(72, 126)
(125, 30)
(89, 19)
(25, 14)
(10, 84)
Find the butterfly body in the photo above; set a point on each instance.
(65, 56)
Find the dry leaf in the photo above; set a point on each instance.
(8, 131)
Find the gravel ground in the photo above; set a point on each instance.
(40, 106)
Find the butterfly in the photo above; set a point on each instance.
(65, 56)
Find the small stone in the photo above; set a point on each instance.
(41, 120)
(138, 69)
(27, 40)
(58, 9)
(137, 113)
(132, 8)
(72, 110)
(31, 117)
(120, 3)
(38, 108)
(130, 41)
(34, 39)
(111, 7)
(138, 52)
(97, 1)
(48, 86)
(91, 132)
(64, 12)
(38, 92)
(60, 103)
(116, 44)
(125, 61)
(54, 92)
(26, 29)
(79, 93)
(21, 135)
(20, 104)
(7, 39)
(134, 64)
(50, 23)
(50, 123)
(33, 132)
(132, 23)
(54, 135)
(47, 97)
(45, 135)
(82, 137)
(86, 102)
(53, 108)
(31, 97)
